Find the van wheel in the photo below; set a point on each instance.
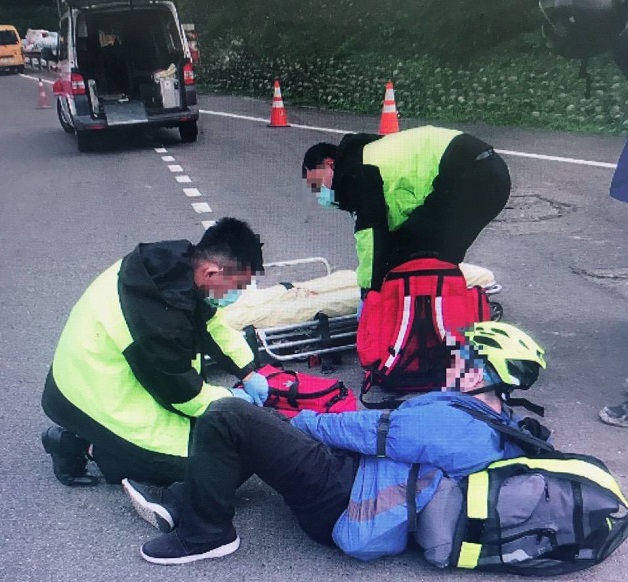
(62, 120)
(188, 130)
(85, 141)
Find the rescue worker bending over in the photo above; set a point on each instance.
(423, 190)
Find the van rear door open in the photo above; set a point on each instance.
(132, 65)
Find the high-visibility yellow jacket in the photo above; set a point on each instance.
(382, 179)
(127, 363)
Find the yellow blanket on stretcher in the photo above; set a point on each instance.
(335, 295)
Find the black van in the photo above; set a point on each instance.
(124, 63)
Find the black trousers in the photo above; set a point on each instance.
(472, 187)
(116, 457)
(234, 440)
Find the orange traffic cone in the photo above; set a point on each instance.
(42, 98)
(389, 122)
(278, 117)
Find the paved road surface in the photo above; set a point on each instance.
(559, 250)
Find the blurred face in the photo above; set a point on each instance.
(320, 176)
(460, 380)
(216, 281)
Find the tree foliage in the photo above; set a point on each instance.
(25, 14)
(455, 30)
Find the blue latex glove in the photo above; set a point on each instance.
(360, 306)
(257, 387)
(239, 393)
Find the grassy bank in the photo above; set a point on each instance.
(525, 88)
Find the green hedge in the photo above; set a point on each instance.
(533, 89)
(450, 60)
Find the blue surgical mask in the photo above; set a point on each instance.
(228, 298)
(326, 197)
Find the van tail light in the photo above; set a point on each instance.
(57, 87)
(188, 74)
(77, 83)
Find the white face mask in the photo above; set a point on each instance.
(326, 197)
(228, 298)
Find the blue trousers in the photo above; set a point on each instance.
(619, 183)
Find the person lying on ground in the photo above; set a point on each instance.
(343, 475)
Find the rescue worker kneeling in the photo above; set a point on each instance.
(343, 475)
(124, 385)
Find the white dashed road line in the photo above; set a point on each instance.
(201, 207)
(198, 207)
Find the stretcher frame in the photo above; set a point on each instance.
(300, 341)
(321, 336)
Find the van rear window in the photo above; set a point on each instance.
(8, 37)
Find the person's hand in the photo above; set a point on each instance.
(239, 393)
(256, 385)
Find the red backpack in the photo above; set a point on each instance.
(403, 327)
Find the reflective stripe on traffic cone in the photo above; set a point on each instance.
(389, 122)
(278, 117)
(42, 98)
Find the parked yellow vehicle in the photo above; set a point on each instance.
(11, 54)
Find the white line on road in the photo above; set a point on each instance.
(175, 168)
(560, 159)
(36, 79)
(208, 223)
(167, 158)
(343, 131)
(191, 192)
(183, 179)
(201, 207)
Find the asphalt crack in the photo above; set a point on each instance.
(532, 208)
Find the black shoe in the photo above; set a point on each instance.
(69, 457)
(171, 549)
(152, 504)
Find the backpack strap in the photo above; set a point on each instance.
(383, 426)
(389, 403)
(327, 365)
(411, 497)
(531, 445)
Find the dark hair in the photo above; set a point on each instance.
(232, 240)
(315, 155)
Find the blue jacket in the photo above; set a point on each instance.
(426, 430)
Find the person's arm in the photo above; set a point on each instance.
(228, 347)
(353, 431)
(371, 228)
(163, 366)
